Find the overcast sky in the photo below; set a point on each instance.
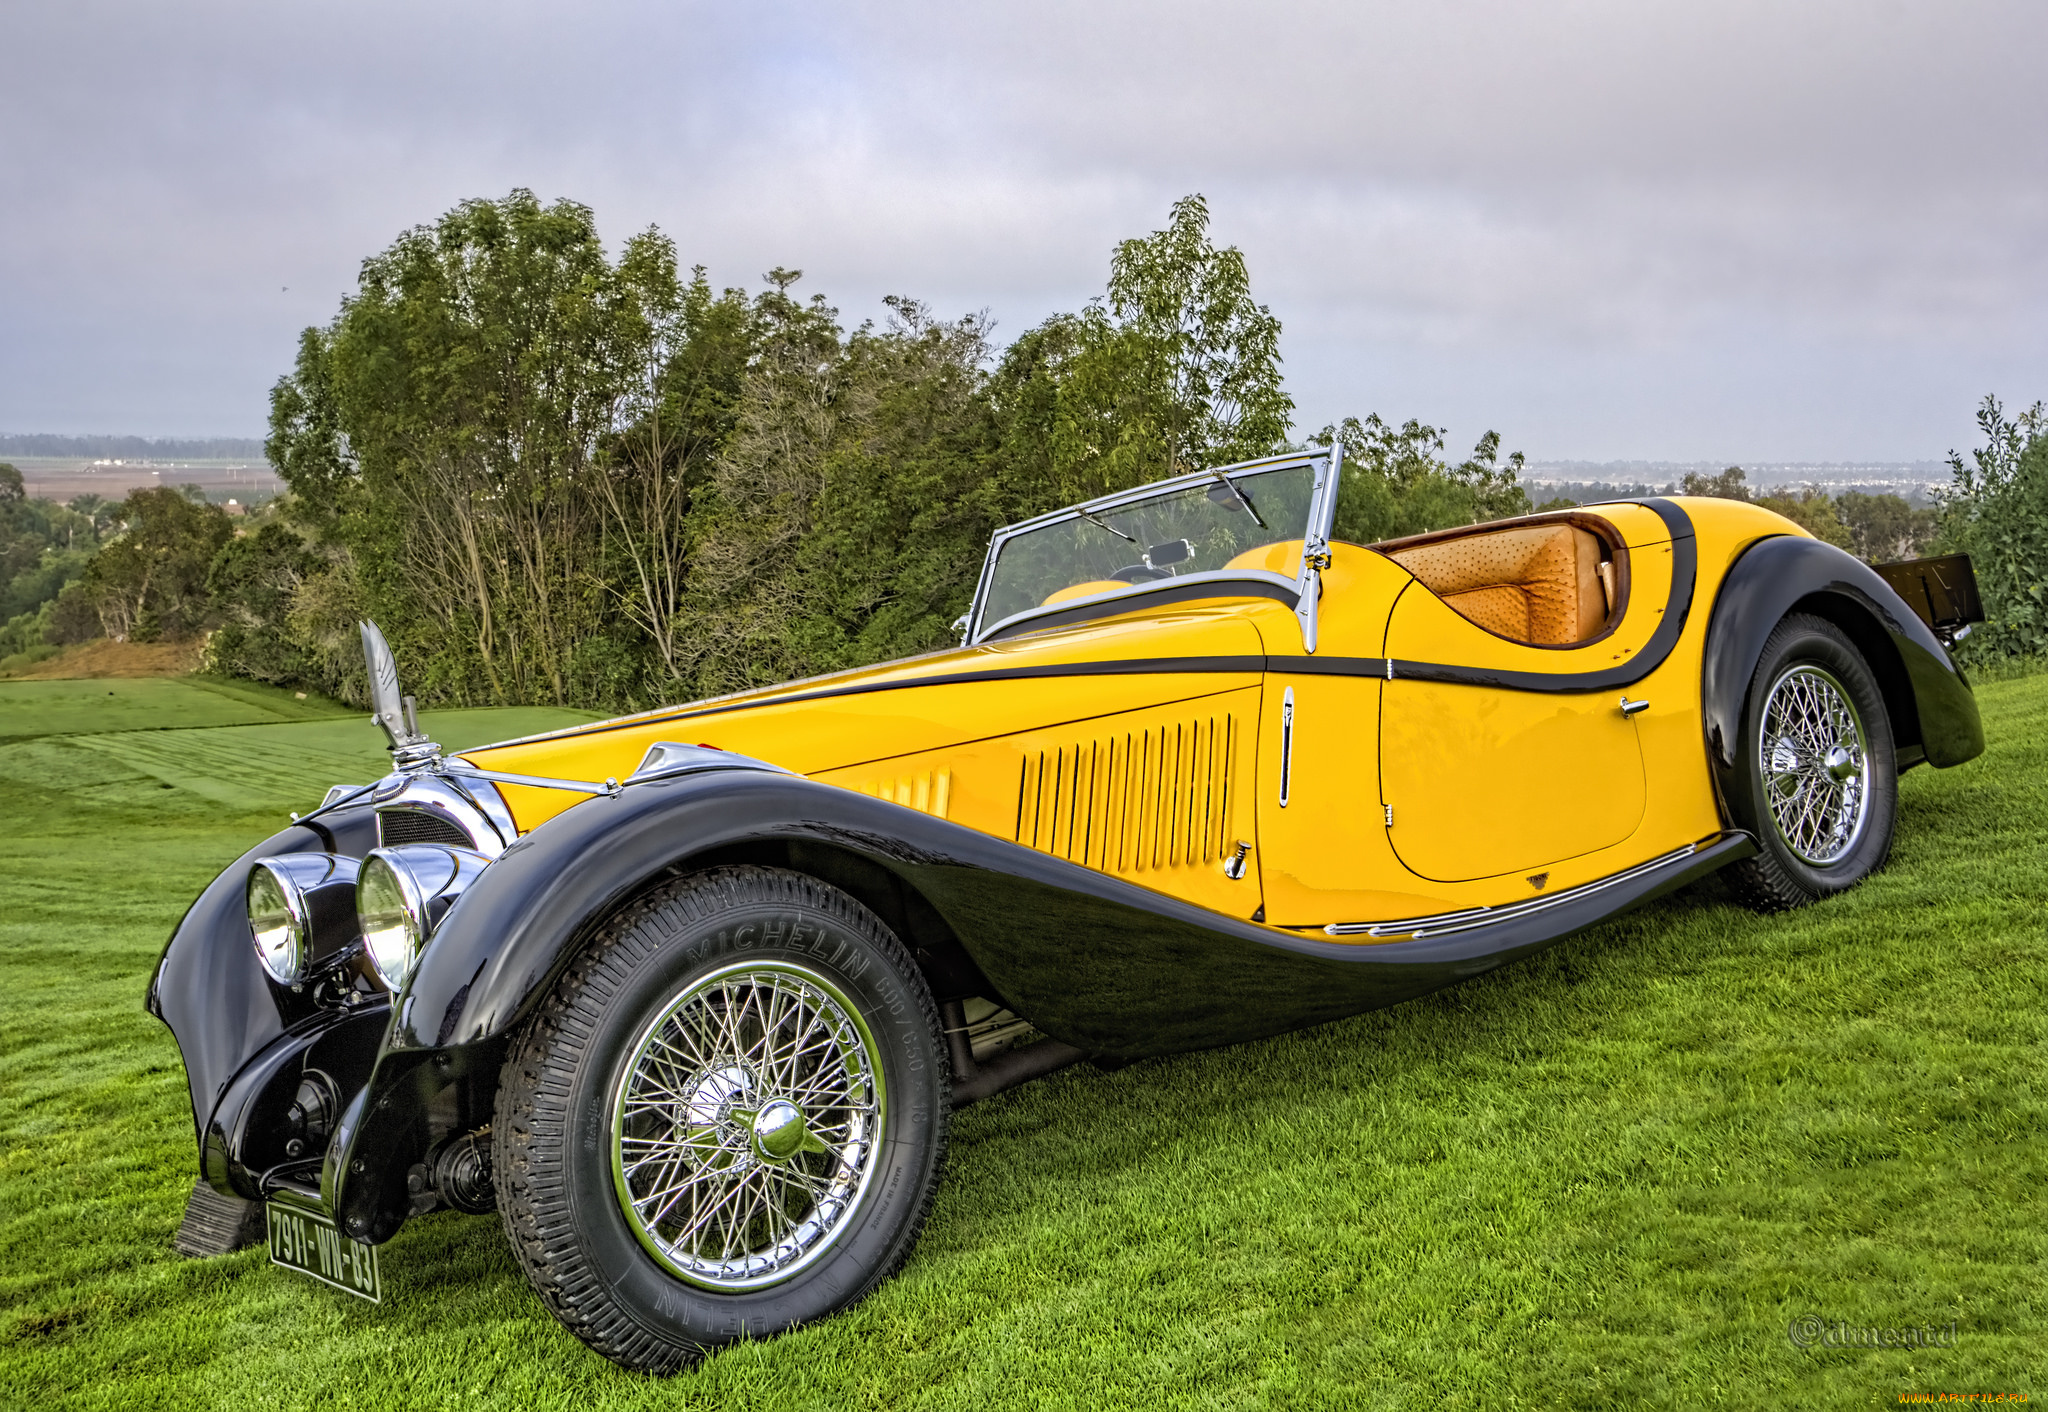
(1609, 228)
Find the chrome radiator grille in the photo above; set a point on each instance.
(396, 826)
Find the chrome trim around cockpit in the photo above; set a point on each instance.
(1321, 515)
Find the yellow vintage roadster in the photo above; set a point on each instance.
(687, 998)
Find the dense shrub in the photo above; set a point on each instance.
(1996, 510)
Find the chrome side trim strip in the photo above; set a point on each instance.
(1445, 922)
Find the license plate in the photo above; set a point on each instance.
(309, 1244)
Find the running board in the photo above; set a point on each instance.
(1447, 923)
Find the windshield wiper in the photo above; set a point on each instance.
(1112, 528)
(1242, 499)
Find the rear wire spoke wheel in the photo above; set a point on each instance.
(1814, 765)
(727, 1118)
(1817, 776)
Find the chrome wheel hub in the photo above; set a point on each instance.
(1814, 769)
(745, 1125)
(779, 1131)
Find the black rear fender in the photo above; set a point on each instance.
(1932, 709)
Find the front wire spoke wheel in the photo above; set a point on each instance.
(745, 1123)
(727, 1117)
(1812, 757)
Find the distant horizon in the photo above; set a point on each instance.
(56, 446)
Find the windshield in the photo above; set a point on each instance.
(1191, 529)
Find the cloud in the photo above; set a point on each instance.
(1637, 229)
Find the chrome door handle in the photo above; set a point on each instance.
(1630, 708)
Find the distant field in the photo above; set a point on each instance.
(1609, 1177)
(63, 478)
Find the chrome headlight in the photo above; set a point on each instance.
(299, 911)
(401, 895)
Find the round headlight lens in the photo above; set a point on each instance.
(277, 923)
(390, 921)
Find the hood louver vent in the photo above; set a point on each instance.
(1133, 802)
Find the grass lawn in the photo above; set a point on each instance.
(1608, 1177)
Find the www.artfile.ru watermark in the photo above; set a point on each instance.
(1812, 1331)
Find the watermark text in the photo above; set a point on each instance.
(1813, 1331)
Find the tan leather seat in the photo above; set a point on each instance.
(1536, 583)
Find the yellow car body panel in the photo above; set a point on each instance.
(1158, 776)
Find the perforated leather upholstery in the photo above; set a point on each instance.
(1538, 584)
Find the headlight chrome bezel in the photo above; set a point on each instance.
(424, 881)
(307, 915)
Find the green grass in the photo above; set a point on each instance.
(1608, 1177)
(40, 708)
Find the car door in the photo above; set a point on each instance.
(1496, 755)
(1323, 851)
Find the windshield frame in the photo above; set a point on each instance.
(1291, 589)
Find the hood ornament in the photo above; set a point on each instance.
(397, 714)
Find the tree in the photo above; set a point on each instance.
(680, 420)
(43, 548)
(1883, 528)
(552, 474)
(151, 580)
(846, 519)
(1730, 484)
(1813, 511)
(450, 424)
(1396, 482)
(1176, 369)
(252, 582)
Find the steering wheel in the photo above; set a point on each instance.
(1139, 573)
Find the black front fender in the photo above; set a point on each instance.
(208, 985)
(1091, 960)
(515, 928)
